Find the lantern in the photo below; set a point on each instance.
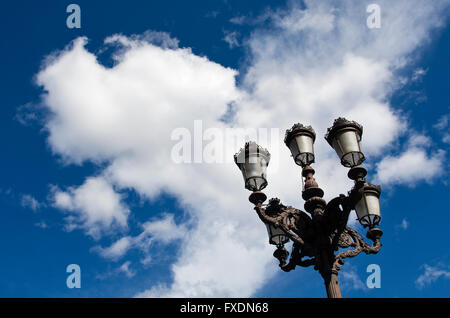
(368, 207)
(276, 235)
(300, 141)
(253, 160)
(345, 136)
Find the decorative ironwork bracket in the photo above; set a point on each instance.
(312, 236)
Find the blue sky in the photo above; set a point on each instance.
(76, 180)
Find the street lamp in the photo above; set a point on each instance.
(345, 136)
(321, 230)
(276, 235)
(368, 207)
(300, 140)
(253, 161)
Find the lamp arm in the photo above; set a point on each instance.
(292, 260)
(280, 221)
(337, 217)
(263, 216)
(351, 238)
(296, 260)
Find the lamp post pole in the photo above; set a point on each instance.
(322, 230)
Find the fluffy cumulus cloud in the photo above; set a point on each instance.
(94, 206)
(311, 65)
(125, 116)
(409, 166)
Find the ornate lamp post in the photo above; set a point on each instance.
(320, 231)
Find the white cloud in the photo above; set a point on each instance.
(418, 140)
(409, 167)
(125, 268)
(94, 206)
(419, 73)
(321, 20)
(117, 249)
(232, 39)
(163, 230)
(227, 262)
(442, 122)
(122, 117)
(41, 224)
(239, 20)
(30, 202)
(27, 114)
(446, 138)
(404, 225)
(442, 125)
(350, 279)
(432, 274)
(161, 39)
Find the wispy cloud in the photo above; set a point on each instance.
(239, 20)
(42, 224)
(350, 280)
(432, 274)
(163, 230)
(418, 74)
(30, 202)
(232, 39)
(29, 114)
(124, 269)
(442, 122)
(403, 225)
(442, 126)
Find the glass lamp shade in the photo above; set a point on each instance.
(276, 235)
(253, 160)
(368, 207)
(300, 141)
(345, 137)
